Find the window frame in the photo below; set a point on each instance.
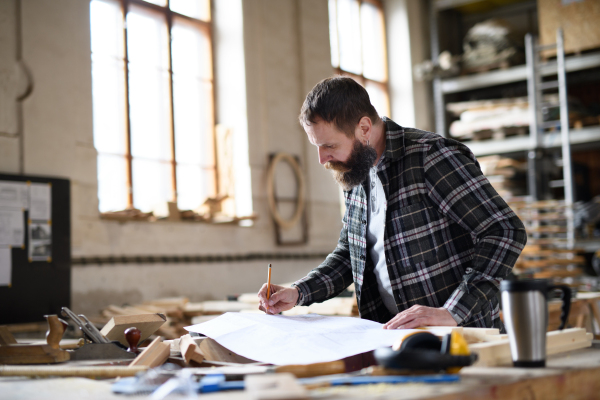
(360, 78)
(169, 16)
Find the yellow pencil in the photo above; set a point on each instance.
(269, 286)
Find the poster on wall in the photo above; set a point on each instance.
(40, 201)
(12, 227)
(14, 195)
(40, 241)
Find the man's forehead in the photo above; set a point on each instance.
(321, 132)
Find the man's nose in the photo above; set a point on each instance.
(323, 156)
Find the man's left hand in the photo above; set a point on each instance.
(418, 316)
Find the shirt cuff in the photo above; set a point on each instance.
(456, 317)
(301, 295)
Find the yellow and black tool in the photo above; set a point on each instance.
(423, 351)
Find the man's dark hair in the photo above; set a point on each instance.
(338, 100)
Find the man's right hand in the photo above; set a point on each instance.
(282, 299)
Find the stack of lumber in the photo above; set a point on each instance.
(500, 118)
(543, 262)
(546, 255)
(490, 119)
(507, 175)
(180, 312)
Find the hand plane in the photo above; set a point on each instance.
(97, 346)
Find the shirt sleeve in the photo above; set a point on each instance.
(463, 194)
(330, 278)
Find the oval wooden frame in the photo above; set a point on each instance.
(283, 223)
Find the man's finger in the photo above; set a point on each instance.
(276, 297)
(415, 323)
(400, 320)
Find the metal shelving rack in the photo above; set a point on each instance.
(443, 87)
(538, 140)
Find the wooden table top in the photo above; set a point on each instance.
(574, 375)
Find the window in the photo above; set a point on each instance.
(358, 47)
(153, 102)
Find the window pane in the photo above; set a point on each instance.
(191, 51)
(147, 38)
(379, 98)
(108, 93)
(349, 36)
(199, 9)
(148, 85)
(373, 39)
(194, 185)
(193, 121)
(152, 184)
(106, 20)
(333, 34)
(112, 182)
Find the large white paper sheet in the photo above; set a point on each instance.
(14, 194)
(12, 227)
(40, 201)
(302, 339)
(5, 266)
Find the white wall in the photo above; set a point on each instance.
(286, 53)
(408, 44)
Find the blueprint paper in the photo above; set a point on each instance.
(302, 339)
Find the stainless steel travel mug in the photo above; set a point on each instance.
(525, 310)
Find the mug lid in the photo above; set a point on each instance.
(525, 285)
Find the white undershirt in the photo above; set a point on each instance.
(377, 205)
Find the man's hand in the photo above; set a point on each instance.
(282, 299)
(418, 316)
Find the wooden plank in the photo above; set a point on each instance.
(146, 323)
(189, 350)
(213, 351)
(154, 355)
(6, 337)
(498, 352)
(82, 371)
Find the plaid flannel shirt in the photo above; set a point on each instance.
(449, 238)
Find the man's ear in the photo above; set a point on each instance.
(364, 129)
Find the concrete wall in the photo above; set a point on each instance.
(286, 51)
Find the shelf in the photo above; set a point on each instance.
(516, 74)
(523, 143)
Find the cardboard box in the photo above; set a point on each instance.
(579, 19)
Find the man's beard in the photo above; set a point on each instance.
(353, 172)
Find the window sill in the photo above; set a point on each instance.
(130, 215)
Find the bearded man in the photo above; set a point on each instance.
(425, 238)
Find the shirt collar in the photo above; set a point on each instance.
(394, 139)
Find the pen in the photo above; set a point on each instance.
(269, 287)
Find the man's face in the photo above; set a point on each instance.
(348, 159)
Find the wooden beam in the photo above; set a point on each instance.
(154, 355)
(146, 323)
(189, 350)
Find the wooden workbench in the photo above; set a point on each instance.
(574, 375)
